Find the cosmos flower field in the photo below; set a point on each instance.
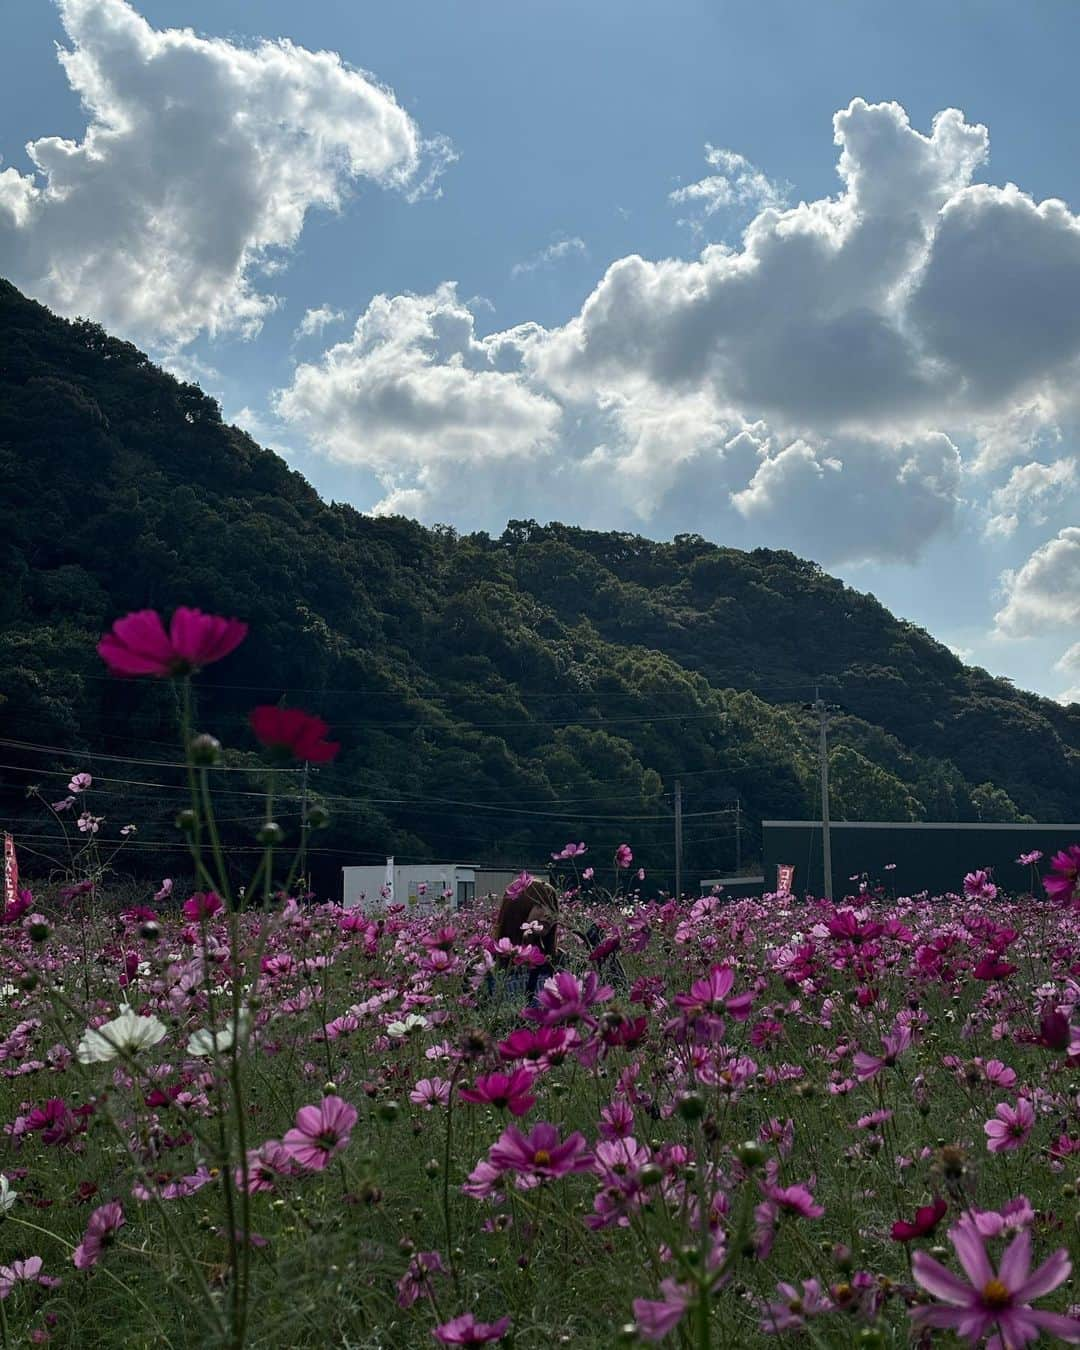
(720, 1123)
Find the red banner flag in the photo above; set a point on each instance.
(11, 871)
(785, 876)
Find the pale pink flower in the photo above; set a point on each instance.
(320, 1132)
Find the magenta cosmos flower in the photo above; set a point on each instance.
(295, 732)
(624, 856)
(105, 1222)
(927, 1218)
(1012, 1126)
(139, 645)
(564, 998)
(466, 1330)
(993, 1302)
(202, 905)
(508, 1091)
(1063, 883)
(710, 997)
(320, 1132)
(541, 1154)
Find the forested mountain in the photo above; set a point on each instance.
(494, 696)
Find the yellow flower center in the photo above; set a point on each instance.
(995, 1295)
(542, 1157)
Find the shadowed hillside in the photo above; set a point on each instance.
(494, 697)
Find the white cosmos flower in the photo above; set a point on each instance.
(206, 1042)
(414, 1022)
(7, 1195)
(125, 1034)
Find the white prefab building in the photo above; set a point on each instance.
(422, 887)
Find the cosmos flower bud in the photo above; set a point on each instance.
(205, 750)
(691, 1106)
(751, 1154)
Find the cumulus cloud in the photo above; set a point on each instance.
(412, 385)
(736, 184)
(1043, 596)
(1029, 490)
(198, 166)
(315, 320)
(562, 248)
(843, 380)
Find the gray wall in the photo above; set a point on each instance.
(930, 858)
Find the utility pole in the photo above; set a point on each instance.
(678, 838)
(738, 836)
(823, 756)
(304, 830)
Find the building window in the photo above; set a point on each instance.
(466, 893)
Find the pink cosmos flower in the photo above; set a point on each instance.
(80, 782)
(430, 1092)
(999, 1073)
(867, 1066)
(24, 1272)
(265, 1166)
(1012, 1127)
(466, 1330)
(564, 998)
(623, 856)
(710, 997)
(1030, 859)
(139, 645)
(320, 1132)
(978, 886)
(518, 884)
(1063, 883)
(1013, 1216)
(105, 1222)
(568, 851)
(657, 1318)
(294, 732)
(164, 890)
(510, 1092)
(541, 1155)
(202, 905)
(795, 1200)
(790, 1311)
(417, 1278)
(993, 1302)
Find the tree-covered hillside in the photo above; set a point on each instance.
(494, 697)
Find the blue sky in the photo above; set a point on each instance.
(882, 382)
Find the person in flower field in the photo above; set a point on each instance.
(528, 917)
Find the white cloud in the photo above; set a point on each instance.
(831, 384)
(1069, 660)
(1044, 594)
(315, 320)
(1028, 491)
(737, 184)
(199, 164)
(1070, 695)
(562, 248)
(412, 386)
